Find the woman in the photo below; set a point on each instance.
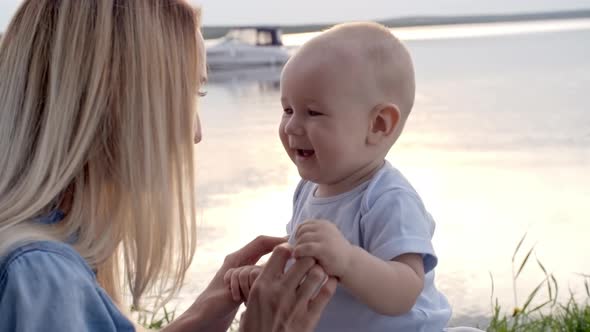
(96, 174)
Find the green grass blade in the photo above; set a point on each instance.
(556, 288)
(493, 289)
(518, 246)
(540, 306)
(532, 295)
(525, 260)
(166, 315)
(549, 290)
(541, 265)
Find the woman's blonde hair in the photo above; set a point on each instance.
(97, 103)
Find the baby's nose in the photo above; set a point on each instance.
(294, 127)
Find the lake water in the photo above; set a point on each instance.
(498, 145)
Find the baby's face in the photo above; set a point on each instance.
(325, 122)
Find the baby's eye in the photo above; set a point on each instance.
(313, 113)
(287, 111)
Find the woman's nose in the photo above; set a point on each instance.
(197, 130)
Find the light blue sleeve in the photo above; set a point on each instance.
(43, 290)
(396, 224)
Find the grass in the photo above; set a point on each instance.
(571, 317)
(154, 319)
(546, 314)
(158, 318)
(540, 311)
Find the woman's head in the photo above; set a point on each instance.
(97, 103)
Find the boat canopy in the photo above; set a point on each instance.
(259, 36)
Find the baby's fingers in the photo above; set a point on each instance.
(235, 286)
(309, 237)
(244, 278)
(227, 276)
(254, 273)
(306, 227)
(306, 250)
(247, 279)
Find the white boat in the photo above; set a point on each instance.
(248, 47)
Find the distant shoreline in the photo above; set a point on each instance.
(210, 32)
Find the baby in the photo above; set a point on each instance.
(346, 96)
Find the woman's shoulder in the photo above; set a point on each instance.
(55, 247)
(45, 257)
(49, 285)
(43, 269)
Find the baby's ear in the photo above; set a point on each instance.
(384, 120)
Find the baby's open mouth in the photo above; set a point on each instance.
(305, 153)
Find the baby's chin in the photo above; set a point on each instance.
(311, 173)
(306, 175)
(315, 178)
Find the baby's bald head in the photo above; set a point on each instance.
(375, 60)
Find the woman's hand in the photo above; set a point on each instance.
(280, 302)
(214, 309)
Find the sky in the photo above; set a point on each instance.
(240, 12)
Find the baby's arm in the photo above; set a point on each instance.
(387, 287)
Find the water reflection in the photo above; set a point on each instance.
(245, 81)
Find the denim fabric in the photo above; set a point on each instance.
(48, 286)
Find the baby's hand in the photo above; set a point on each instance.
(322, 240)
(240, 280)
